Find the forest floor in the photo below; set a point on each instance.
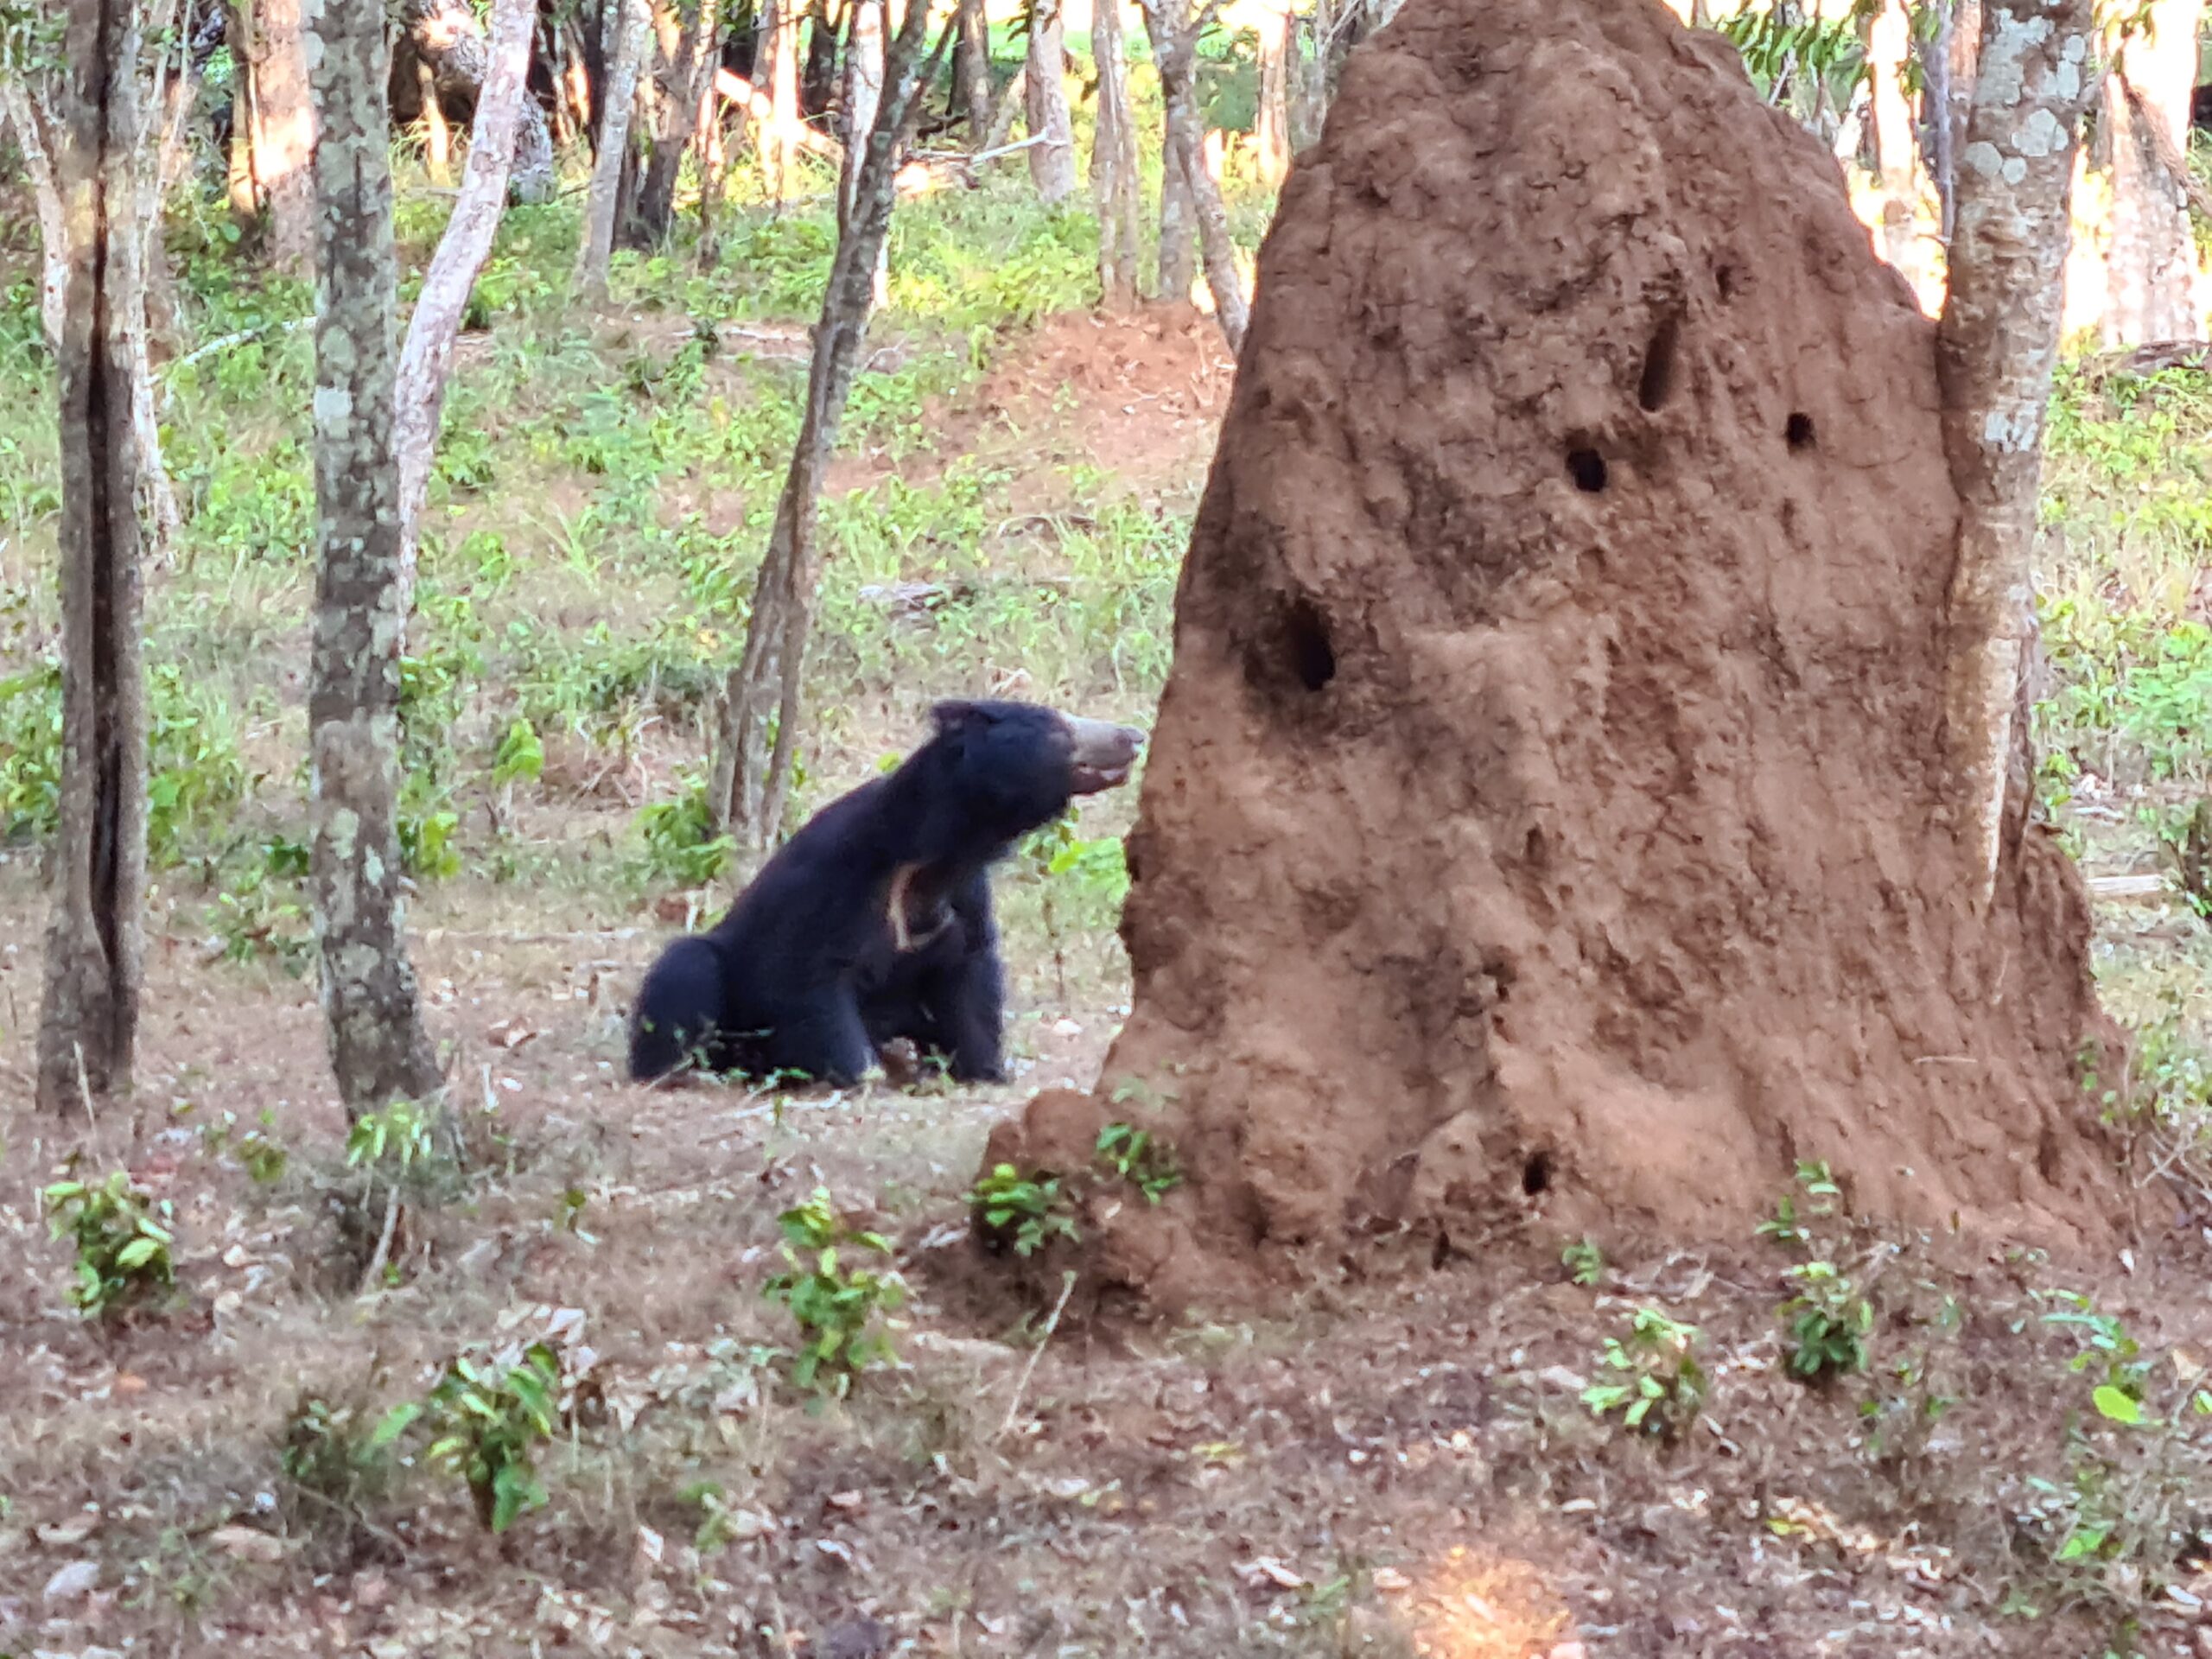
(1398, 1462)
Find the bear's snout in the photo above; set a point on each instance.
(1102, 753)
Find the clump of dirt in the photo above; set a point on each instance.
(1546, 808)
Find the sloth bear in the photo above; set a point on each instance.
(874, 922)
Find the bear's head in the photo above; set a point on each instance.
(1016, 765)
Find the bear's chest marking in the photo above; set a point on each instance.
(910, 932)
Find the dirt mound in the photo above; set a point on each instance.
(1546, 802)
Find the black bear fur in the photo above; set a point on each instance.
(874, 922)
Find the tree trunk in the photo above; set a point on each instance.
(631, 24)
(863, 97)
(750, 779)
(1888, 51)
(1272, 131)
(1996, 347)
(445, 34)
(1114, 162)
(95, 942)
(378, 1049)
(426, 359)
(1044, 106)
(1174, 48)
(35, 138)
(280, 136)
(2150, 272)
(437, 136)
(819, 78)
(690, 71)
(775, 132)
(972, 67)
(1178, 235)
(1936, 101)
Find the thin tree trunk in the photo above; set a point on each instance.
(95, 942)
(1174, 48)
(437, 136)
(1114, 162)
(1178, 234)
(820, 78)
(1996, 346)
(380, 1051)
(178, 89)
(1272, 133)
(2150, 272)
(1889, 50)
(863, 97)
(630, 24)
(33, 128)
(750, 778)
(972, 67)
(426, 359)
(1012, 98)
(690, 73)
(774, 139)
(1044, 99)
(282, 130)
(1937, 98)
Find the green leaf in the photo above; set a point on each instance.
(2112, 1403)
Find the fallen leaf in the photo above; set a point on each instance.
(62, 1534)
(71, 1582)
(1267, 1570)
(247, 1543)
(1390, 1581)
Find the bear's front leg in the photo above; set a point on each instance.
(822, 1035)
(971, 1018)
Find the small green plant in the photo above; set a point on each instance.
(1584, 1261)
(486, 1420)
(1822, 1194)
(393, 1140)
(1028, 1211)
(339, 1461)
(2106, 1353)
(681, 845)
(1652, 1377)
(123, 1253)
(1139, 1157)
(835, 1304)
(1828, 1322)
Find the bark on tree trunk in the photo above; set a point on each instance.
(690, 71)
(1174, 48)
(282, 133)
(1114, 162)
(1936, 97)
(630, 24)
(972, 67)
(380, 1051)
(445, 34)
(1045, 101)
(1178, 235)
(426, 359)
(1272, 131)
(774, 138)
(863, 98)
(750, 779)
(437, 136)
(1996, 346)
(37, 139)
(2150, 272)
(95, 945)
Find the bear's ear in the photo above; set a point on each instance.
(951, 715)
